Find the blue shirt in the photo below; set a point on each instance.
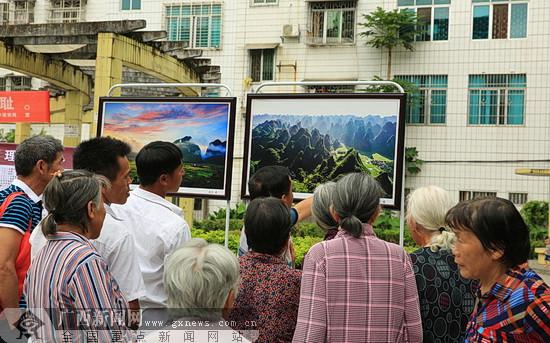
(21, 209)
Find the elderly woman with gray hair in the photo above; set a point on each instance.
(320, 209)
(442, 291)
(68, 279)
(201, 281)
(356, 287)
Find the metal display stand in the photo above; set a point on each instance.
(196, 85)
(355, 83)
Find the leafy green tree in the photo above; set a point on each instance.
(412, 162)
(390, 30)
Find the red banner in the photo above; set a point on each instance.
(25, 107)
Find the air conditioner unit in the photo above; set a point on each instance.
(290, 30)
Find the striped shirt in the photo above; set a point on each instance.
(22, 208)
(516, 309)
(68, 285)
(358, 290)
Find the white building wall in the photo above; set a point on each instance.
(245, 25)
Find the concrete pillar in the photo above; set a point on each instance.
(108, 71)
(73, 119)
(22, 131)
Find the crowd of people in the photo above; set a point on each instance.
(88, 260)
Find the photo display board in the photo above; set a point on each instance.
(203, 129)
(320, 137)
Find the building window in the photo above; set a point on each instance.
(4, 14)
(434, 19)
(23, 12)
(499, 20)
(429, 104)
(199, 25)
(2, 84)
(518, 198)
(66, 11)
(262, 65)
(497, 99)
(330, 89)
(332, 22)
(468, 195)
(264, 2)
(131, 5)
(20, 83)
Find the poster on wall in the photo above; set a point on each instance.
(320, 137)
(202, 128)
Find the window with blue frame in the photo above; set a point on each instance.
(429, 104)
(434, 16)
(199, 25)
(131, 4)
(496, 99)
(500, 19)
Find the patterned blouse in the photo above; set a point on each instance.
(269, 295)
(446, 299)
(516, 309)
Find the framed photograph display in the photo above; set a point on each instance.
(320, 137)
(203, 129)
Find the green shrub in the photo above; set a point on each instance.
(234, 213)
(302, 246)
(305, 229)
(218, 237)
(535, 213)
(218, 224)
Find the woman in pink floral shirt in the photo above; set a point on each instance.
(270, 291)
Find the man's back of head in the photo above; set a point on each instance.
(269, 181)
(100, 155)
(34, 149)
(159, 160)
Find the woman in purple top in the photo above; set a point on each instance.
(270, 290)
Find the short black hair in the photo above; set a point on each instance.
(100, 155)
(497, 224)
(270, 181)
(34, 149)
(155, 159)
(267, 225)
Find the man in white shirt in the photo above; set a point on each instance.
(108, 157)
(157, 225)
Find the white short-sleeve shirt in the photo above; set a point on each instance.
(158, 229)
(117, 247)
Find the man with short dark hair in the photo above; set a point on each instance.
(108, 157)
(158, 227)
(275, 181)
(37, 159)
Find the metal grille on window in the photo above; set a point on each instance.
(20, 83)
(476, 195)
(518, 198)
(66, 11)
(4, 13)
(497, 99)
(429, 104)
(332, 22)
(198, 24)
(22, 12)
(2, 84)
